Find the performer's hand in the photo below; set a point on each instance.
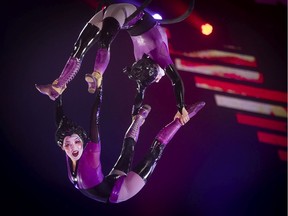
(184, 118)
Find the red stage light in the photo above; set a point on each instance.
(206, 29)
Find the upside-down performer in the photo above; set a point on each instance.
(149, 41)
(83, 154)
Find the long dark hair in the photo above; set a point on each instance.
(67, 129)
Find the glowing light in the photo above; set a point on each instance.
(219, 70)
(250, 106)
(206, 29)
(244, 90)
(157, 16)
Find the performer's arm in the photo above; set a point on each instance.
(177, 83)
(94, 120)
(59, 110)
(178, 86)
(138, 99)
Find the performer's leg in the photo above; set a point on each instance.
(136, 179)
(123, 164)
(109, 31)
(113, 21)
(86, 39)
(146, 167)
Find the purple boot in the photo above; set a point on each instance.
(59, 85)
(133, 130)
(94, 80)
(167, 133)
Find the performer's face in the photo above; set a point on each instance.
(73, 146)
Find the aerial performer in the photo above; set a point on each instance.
(152, 61)
(149, 43)
(83, 153)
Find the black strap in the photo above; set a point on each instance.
(139, 9)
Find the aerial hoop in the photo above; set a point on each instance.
(181, 17)
(146, 3)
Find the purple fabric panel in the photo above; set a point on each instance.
(133, 21)
(155, 44)
(89, 171)
(102, 60)
(117, 186)
(167, 133)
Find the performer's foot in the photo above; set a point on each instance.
(93, 80)
(192, 110)
(50, 90)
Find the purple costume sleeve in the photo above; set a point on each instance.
(89, 171)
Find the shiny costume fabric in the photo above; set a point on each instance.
(88, 176)
(149, 38)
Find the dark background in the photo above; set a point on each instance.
(213, 166)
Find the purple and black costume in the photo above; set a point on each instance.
(147, 36)
(88, 176)
(151, 47)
